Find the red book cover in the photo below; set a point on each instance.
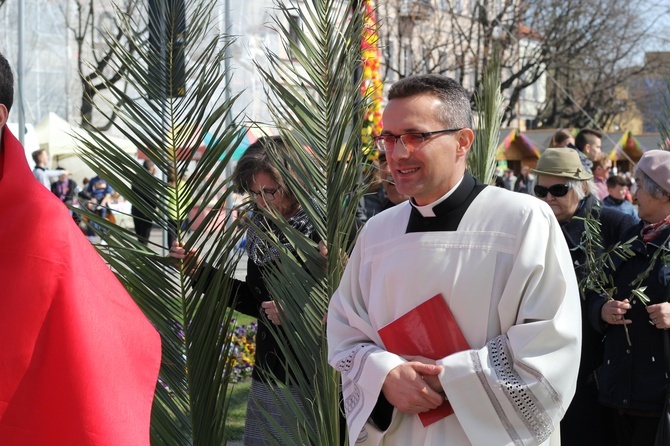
(428, 330)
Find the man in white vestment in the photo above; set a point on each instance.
(502, 266)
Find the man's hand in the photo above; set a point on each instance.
(410, 387)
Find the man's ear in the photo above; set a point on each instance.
(465, 139)
(4, 114)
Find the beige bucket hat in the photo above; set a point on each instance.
(561, 162)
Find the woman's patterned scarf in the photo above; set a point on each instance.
(651, 231)
(262, 251)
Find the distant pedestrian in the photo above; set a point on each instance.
(142, 222)
(525, 181)
(562, 138)
(509, 179)
(65, 188)
(42, 174)
(617, 189)
(601, 171)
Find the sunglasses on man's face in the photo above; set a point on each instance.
(557, 190)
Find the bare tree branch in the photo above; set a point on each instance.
(95, 33)
(580, 49)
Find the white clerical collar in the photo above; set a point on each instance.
(427, 210)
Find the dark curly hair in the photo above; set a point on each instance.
(6, 83)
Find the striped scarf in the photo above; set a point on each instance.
(652, 230)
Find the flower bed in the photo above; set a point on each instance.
(243, 348)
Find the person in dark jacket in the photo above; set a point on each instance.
(633, 377)
(257, 175)
(617, 189)
(65, 188)
(563, 183)
(142, 222)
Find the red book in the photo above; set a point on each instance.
(428, 330)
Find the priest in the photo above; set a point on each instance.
(499, 262)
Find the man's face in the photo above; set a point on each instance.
(434, 167)
(593, 150)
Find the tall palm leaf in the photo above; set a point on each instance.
(316, 103)
(190, 404)
(490, 112)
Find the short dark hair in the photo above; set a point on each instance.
(6, 83)
(616, 180)
(260, 158)
(456, 108)
(586, 136)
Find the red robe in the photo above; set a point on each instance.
(78, 359)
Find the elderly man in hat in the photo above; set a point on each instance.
(633, 377)
(564, 184)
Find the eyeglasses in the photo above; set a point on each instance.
(411, 141)
(557, 190)
(265, 193)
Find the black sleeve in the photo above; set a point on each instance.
(595, 303)
(245, 302)
(382, 413)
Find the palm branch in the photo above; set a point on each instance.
(190, 404)
(316, 104)
(490, 112)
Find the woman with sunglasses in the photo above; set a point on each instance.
(564, 184)
(257, 175)
(633, 377)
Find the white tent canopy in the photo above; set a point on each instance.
(62, 140)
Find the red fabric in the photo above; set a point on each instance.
(78, 359)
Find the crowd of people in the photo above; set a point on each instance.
(612, 188)
(556, 352)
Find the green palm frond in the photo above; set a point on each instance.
(190, 405)
(490, 112)
(316, 103)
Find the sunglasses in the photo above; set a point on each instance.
(557, 190)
